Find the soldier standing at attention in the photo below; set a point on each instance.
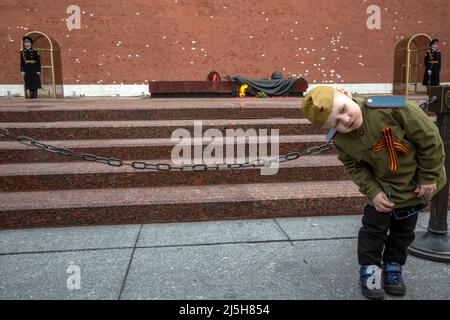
(394, 153)
(30, 67)
(432, 63)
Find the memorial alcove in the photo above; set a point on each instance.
(51, 69)
(408, 64)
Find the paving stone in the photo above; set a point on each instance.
(237, 271)
(46, 275)
(191, 233)
(77, 238)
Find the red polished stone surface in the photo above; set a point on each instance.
(44, 189)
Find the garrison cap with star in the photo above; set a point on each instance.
(318, 104)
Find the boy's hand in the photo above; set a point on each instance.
(425, 190)
(382, 203)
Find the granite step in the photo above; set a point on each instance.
(128, 149)
(44, 189)
(177, 203)
(88, 175)
(147, 109)
(173, 110)
(67, 130)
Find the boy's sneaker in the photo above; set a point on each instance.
(393, 281)
(370, 281)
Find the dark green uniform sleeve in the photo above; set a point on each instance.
(361, 174)
(424, 134)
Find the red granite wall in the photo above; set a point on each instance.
(135, 41)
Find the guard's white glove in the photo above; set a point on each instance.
(429, 72)
(23, 73)
(38, 73)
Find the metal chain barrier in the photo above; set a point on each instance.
(425, 104)
(164, 166)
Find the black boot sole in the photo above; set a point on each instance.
(372, 294)
(395, 290)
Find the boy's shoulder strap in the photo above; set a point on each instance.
(385, 102)
(330, 135)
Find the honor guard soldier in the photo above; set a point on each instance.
(394, 153)
(432, 63)
(30, 67)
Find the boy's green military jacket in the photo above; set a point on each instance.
(370, 170)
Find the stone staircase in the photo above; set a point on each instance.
(44, 189)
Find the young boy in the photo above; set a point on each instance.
(396, 157)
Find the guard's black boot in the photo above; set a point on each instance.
(370, 281)
(393, 281)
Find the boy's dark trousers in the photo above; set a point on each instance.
(374, 236)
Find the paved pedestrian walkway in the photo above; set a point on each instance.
(289, 258)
